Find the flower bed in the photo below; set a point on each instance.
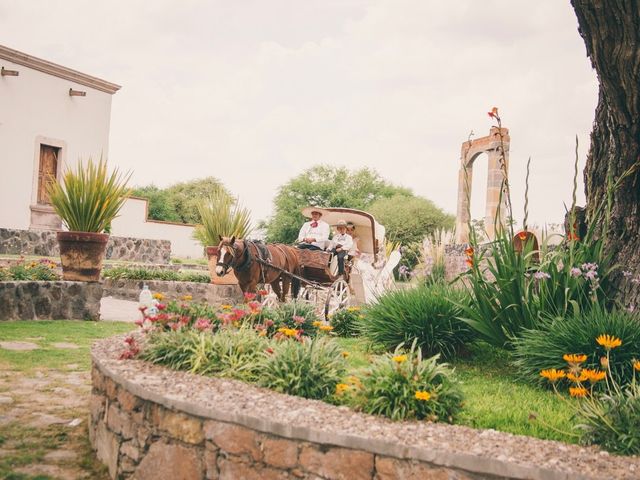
(151, 422)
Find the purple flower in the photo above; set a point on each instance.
(541, 275)
(575, 272)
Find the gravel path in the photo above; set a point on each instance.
(228, 399)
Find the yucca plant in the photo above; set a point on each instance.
(89, 197)
(221, 217)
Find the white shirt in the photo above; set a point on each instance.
(320, 233)
(343, 239)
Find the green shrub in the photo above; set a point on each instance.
(543, 348)
(426, 313)
(141, 273)
(232, 353)
(345, 321)
(403, 386)
(310, 369)
(298, 315)
(42, 270)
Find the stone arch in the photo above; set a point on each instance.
(471, 150)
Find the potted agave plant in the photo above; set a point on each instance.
(221, 216)
(87, 200)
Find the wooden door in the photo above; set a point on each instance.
(47, 171)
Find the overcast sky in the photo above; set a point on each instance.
(254, 92)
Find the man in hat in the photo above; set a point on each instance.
(342, 243)
(315, 233)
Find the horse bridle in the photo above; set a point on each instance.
(227, 266)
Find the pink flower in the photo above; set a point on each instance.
(298, 319)
(269, 350)
(249, 296)
(575, 272)
(142, 309)
(139, 322)
(203, 324)
(239, 313)
(174, 326)
(161, 306)
(268, 323)
(130, 340)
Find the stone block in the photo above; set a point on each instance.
(127, 401)
(120, 422)
(233, 439)
(233, 468)
(170, 462)
(337, 463)
(130, 450)
(211, 462)
(111, 389)
(96, 407)
(181, 426)
(388, 468)
(97, 380)
(106, 445)
(280, 453)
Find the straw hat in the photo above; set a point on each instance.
(306, 211)
(341, 223)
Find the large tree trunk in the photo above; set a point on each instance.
(611, 32)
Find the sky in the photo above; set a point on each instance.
(254, 92)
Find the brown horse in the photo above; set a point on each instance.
(247, 259)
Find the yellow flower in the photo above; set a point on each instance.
(353, 380)
(345, 354)
(422, 395)
(636, 365)
(552, 374)
(289, 332)
(608, 342)
(353, 309)
(326, 328)
(158, 296)
(317, 323)
(400, 358)
(578, 391)
(577, 379)
(226, 307)
(574, 358)
(187, 298)
(341, 388)
(593, 375)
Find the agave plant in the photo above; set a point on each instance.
(221, 217)
(89, 197)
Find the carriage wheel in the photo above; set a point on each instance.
(337, 297)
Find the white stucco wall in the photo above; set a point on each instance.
(132, 222)
(35, 107)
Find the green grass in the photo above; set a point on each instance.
(45, 334)
(494, 396)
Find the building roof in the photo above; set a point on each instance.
(35, 63)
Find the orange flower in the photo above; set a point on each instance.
(577, 379)
(578, 391)
(469, 252)
(636, 365)
(574, 358)
(608, 342)
(552, 374)
(593, 375)
(469, 262)
(522, 236)
(493, 113)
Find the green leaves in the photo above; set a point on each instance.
(89, 198)
(221, 217)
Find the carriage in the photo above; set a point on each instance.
(367, 274)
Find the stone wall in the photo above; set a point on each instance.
(148, 422)
(201, 292)
(50, 300)
(44, 243)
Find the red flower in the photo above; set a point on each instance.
(263, 292)
(142, 309)
(161, 306)
(269, 350)
(493, 113)
(139, 322)
(129, 340)
(249, 296)
(522, 236)
(239, 313)
(268, 322)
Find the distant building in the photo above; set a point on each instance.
(50, 117)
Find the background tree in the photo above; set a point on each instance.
(178, 203)
(611, 32)
(324, 186)
(408, 219)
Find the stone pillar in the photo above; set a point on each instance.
(465, 182)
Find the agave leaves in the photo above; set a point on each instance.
(89, 197)
(221, 217)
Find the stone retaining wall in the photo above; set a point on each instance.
(148, 422)
(50, 300)
(201, 292)
(44, 243)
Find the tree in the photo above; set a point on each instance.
(324, 186)
(408, 219)
(178, 203)
(611, 32)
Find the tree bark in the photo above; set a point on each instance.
(611, 32)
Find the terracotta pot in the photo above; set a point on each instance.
(228, 279)
(81, 255)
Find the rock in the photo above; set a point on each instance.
(169, 462)
(60, 456)
(6, 400)
(65, 345)
(19, 346)
(337, 463)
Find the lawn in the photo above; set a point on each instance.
(494, 396)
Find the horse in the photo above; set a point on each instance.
(251, 265)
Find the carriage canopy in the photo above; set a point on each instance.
(370, 233)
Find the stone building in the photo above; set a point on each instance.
(50, 117)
